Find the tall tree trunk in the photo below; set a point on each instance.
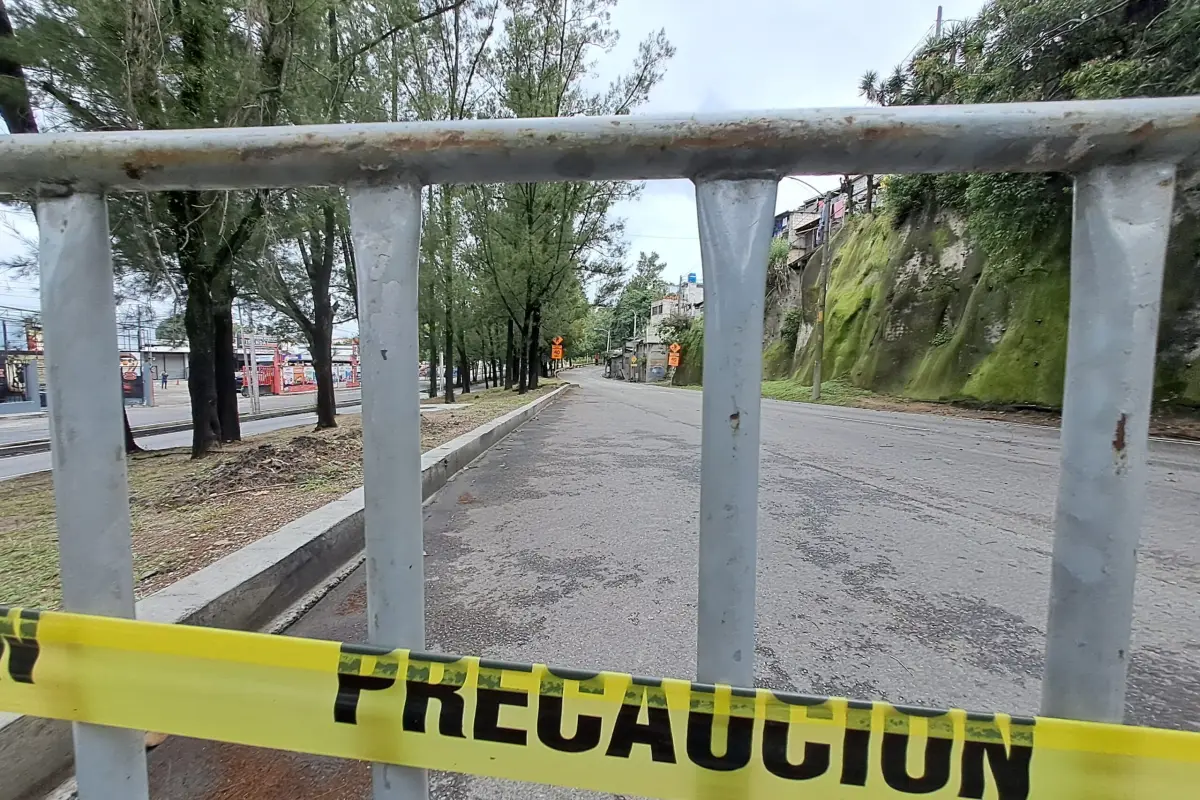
(320, 338)
(433, 360)
(509, 355)
(535, 349)
(488, 378)
(464, 366)
(448, 349)
(225, 365)
(202, 373)
(525, 368)
(320, 344)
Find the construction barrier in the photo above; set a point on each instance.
(594, 730)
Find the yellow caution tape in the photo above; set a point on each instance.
(593, 730)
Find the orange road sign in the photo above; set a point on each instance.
(673, 360)
(556, 352)
(675, 348)
(556, 340)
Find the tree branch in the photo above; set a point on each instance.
(88, 119)
(397, 28)
(241, 234)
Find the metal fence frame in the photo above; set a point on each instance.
(1124, 154)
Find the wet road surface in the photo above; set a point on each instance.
(901, 557)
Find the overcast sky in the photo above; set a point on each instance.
(731, 55)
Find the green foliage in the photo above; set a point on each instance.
(777, 268)
(644, 287)
(1032, 50)
(688, 333)
(171, 330)
(536, 246)
(789, 331)
(905, 195)
(778, 250)
(1009, 214)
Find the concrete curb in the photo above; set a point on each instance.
(246, 590)
(43, 445)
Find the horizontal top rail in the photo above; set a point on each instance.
(1020, 137)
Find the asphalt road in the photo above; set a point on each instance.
(901, 557)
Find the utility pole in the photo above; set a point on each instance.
(819, 328)
(147, 381)
(255, 405)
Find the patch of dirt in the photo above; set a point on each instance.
(274, 464)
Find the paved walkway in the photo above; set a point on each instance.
(901, 557)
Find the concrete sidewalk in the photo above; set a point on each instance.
(901, 557)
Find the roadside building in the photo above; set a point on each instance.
(167, 358)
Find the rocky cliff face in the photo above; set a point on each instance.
(919, 311)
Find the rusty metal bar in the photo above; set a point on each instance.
(1024, 137)
(1118, 248)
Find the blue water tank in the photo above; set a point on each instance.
(691, 277)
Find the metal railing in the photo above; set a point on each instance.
(1124, 154)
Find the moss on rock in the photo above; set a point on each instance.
(920, 311)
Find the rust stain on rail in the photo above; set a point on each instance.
(1119, 435)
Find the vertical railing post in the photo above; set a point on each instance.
(1121, 221)
(387, 236)
(735, 234)
(91, 490)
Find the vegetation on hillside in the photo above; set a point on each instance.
(988, 321)
(1025, 51)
